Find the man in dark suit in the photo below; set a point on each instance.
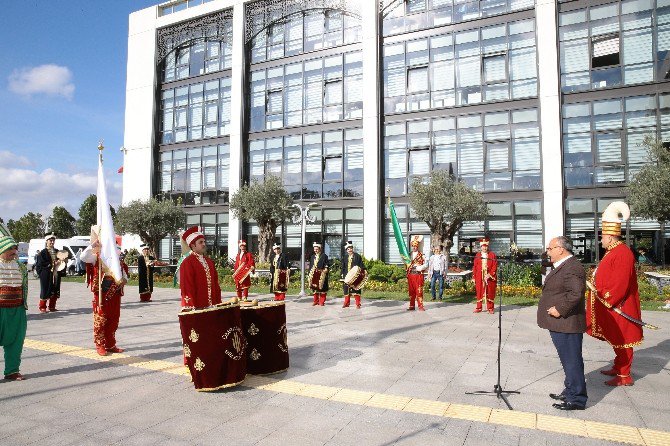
(562, 311)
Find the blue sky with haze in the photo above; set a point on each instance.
(62, 88)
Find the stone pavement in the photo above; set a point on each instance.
(396, 358)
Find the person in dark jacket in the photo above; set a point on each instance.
(561, 310)
(318, 267)
(145, 273)
(352, 259)
(46, 266)
(278, 263)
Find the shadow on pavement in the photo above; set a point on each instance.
(647, 361)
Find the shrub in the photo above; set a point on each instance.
(520, 274)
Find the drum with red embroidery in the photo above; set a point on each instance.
(280, 280)
(356, 278)
(241, 273)
(215, 347)
(317, 278)
(265, 328)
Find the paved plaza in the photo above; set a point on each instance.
(375, 376)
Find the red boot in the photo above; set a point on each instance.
(145, 297)
(347, 301)
(411, 304)
(358, 301)
(316, 299)
(43, 306)
(52, 304)
(620, 381)
(322, 299)
(101, 350)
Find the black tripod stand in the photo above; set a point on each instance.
(497, 388)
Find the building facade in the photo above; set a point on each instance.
(539, 104)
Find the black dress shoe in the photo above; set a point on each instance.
(568, 406)
(557, 396)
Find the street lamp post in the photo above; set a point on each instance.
(303, 217)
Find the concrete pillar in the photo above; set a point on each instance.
(237, 116)
(139, 117)
(550, 119)
(372, 195)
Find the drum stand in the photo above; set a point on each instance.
(497, 387)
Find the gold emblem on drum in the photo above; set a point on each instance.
(193, 336)
(187, 351)
(253, 330)
(283, 346)
(254, 355)
(239, 342)
(199, 365)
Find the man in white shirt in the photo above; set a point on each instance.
(437, 270)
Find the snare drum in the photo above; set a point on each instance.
(265, 328)
(356, 278)
(215, 347)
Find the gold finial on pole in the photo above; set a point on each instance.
(101, 147)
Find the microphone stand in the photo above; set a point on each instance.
(497, 387)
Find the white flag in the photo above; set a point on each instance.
(108, 254)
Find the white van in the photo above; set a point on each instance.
(71, 245)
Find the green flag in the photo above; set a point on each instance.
(400, 240)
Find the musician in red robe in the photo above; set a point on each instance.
(106, 305)
(614, 286)
(198, 279)
(415, 269)
(484, 274)
(244, 266)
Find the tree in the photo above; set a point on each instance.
(152, 220)
(61, 222)
(88, 215)
(27, 227)
(268, 204)
(645, 191)
(444, 203)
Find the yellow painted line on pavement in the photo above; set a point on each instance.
(524, 420)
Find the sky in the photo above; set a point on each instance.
(62, 90)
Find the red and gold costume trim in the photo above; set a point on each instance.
(615, 280)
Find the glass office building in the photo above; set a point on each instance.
(540, 106)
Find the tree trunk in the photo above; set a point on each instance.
(662, 259)
(266, 235)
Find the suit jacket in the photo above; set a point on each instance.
(564, 288)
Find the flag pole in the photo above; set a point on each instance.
(100, 149)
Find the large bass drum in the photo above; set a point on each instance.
(215, 347)
(356, 278)
(265, 328)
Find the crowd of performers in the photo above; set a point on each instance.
(612, 308)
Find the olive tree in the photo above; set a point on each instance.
(151, 220)
(445, 203)
(268, 204)
(645, 191)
